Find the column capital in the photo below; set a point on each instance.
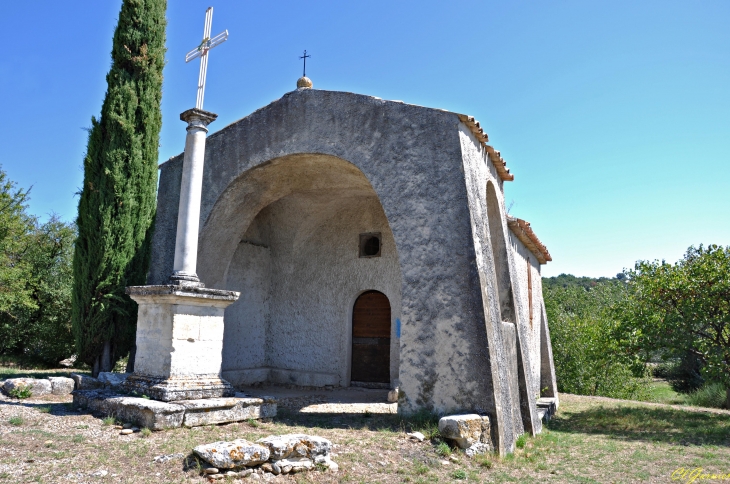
(198, 117)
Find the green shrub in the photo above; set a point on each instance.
(443, 449)
(521, 441)
(710, 395)
(589, 358)
(16, 421)
(21, 391)
(459, 474)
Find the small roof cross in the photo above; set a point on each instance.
(304, 73)
(202, 52)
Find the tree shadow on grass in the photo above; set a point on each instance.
(648, 424)
(424, 422)
(52, 408)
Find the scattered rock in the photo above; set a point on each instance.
(161, 459)
(85, 382)
(118, 427)
(245, 473)
(100, 473)
(215, 477)
(229, 455)
(210, 470)
(126, 432)
(275, 468)
(112, 380)
(393, 395)
(255, 477)
(60, 385)
(478, 448)
(266, 467)
(286, 469)
(297, 464)
(416, 436)
(295, 445)
(37, 387)
(68, 362)
(453, 459)
(135, 429)
(231, 474)
(465, 430)
(444, 462)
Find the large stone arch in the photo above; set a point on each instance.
(285, 235)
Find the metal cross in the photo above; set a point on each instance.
(304, 73)
(202, 52)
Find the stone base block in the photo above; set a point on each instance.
(465, 430)
(548, 404)
(223, 410)
(140, 411)
(157, 415)
(175, 389)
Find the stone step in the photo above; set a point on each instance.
(156, 415)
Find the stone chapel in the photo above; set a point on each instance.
(370, 245)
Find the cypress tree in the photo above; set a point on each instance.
(117, 204)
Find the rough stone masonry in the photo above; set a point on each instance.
(320, 198)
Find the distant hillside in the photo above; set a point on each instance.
(569, 280)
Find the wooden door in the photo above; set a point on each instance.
(371, 338)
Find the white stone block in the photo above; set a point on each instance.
(465, 430)
(60, 385)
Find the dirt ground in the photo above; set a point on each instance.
(591, 440)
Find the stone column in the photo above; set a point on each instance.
(188, 218)
(180, 325)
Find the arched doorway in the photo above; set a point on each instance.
(371, 338)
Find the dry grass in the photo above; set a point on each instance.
(591, 440)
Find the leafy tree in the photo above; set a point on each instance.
(684, 307)
(35, 281)
(589, 358)
(117, 203)
(15, 224)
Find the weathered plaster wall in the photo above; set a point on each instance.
(296, 325)
(526, 261)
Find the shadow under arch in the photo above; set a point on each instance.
(285, 234)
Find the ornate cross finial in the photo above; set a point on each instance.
(304, 73)
(202, 52)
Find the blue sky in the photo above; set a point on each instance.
(613, 116)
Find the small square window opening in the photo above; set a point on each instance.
(370, 245)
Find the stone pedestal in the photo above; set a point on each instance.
(179, 342)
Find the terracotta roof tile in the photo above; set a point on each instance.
(522, 230)
(483, 138)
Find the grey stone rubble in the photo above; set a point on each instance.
(281, 454)
(112, 380)
(470, 431)
(416, 436)
(85, 382)
(39, 387)
(156, 415)
(60, 385)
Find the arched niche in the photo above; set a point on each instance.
(499, 252)
(287, 234)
